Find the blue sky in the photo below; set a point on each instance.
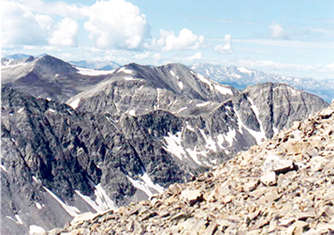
(289, 37)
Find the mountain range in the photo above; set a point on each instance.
(78, 140)
(241, 77)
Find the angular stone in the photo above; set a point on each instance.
(274, 163)
(286, 221)
(192, 196)
(269, 178)
(252, 185)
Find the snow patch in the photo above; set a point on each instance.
(128, 78)
(150, 183)
(244, 70)
(173, 145)
(75, 103)
(210, 143)
(2, 167)
(146, 185)
(258, 135)
(172, 73)
(36, 230)
(205, 80)
(203, 104)
(181, 109)
(71, 210)
(38, 181)
(228, 137)
(125, 70)
(190, 128)
(132, 112)
(275, 130)
(51, 110)
(223, 90)
(19, 220)
(194, 155)
(38, 205)
(180, 84)
(257, 114)
(97, 207)
(20, 110)
(293, 91)
(93, 72)
(102, 198)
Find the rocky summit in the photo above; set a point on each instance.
(283, 186)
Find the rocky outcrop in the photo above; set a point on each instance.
(233, 198)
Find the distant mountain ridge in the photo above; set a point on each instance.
(49, 77)
(240, 77)
(124, 136)
(98, 65)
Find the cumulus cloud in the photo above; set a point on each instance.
(186, 39)
(22, 26)
(53, 8)
(116, 23)
(110, 25)
(65, 33)
(227, 46)
(277, 31)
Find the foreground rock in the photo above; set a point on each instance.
(233, 199)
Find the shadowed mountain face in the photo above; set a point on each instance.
(283, 186)
(138, 130)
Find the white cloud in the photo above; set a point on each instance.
(196, 56)
(289, 43)
(117, 24)
(65, 33)
(22, 26)
(330, 67)
(277, 31)
(227, 46)
(44, 21)
(186, 39)
(55, 8)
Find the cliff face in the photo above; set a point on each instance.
(284, 186)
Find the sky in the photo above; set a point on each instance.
(288, 37)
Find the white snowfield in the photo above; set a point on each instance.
(173, 143)
(125, 70)
(102, 202)
(71, 210)
(214, 85)
(36, 230)
(146, 185)
(93, 72)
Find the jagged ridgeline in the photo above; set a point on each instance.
(283, 186)
(79, 140)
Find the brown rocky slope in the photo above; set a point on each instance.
(284, 186)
